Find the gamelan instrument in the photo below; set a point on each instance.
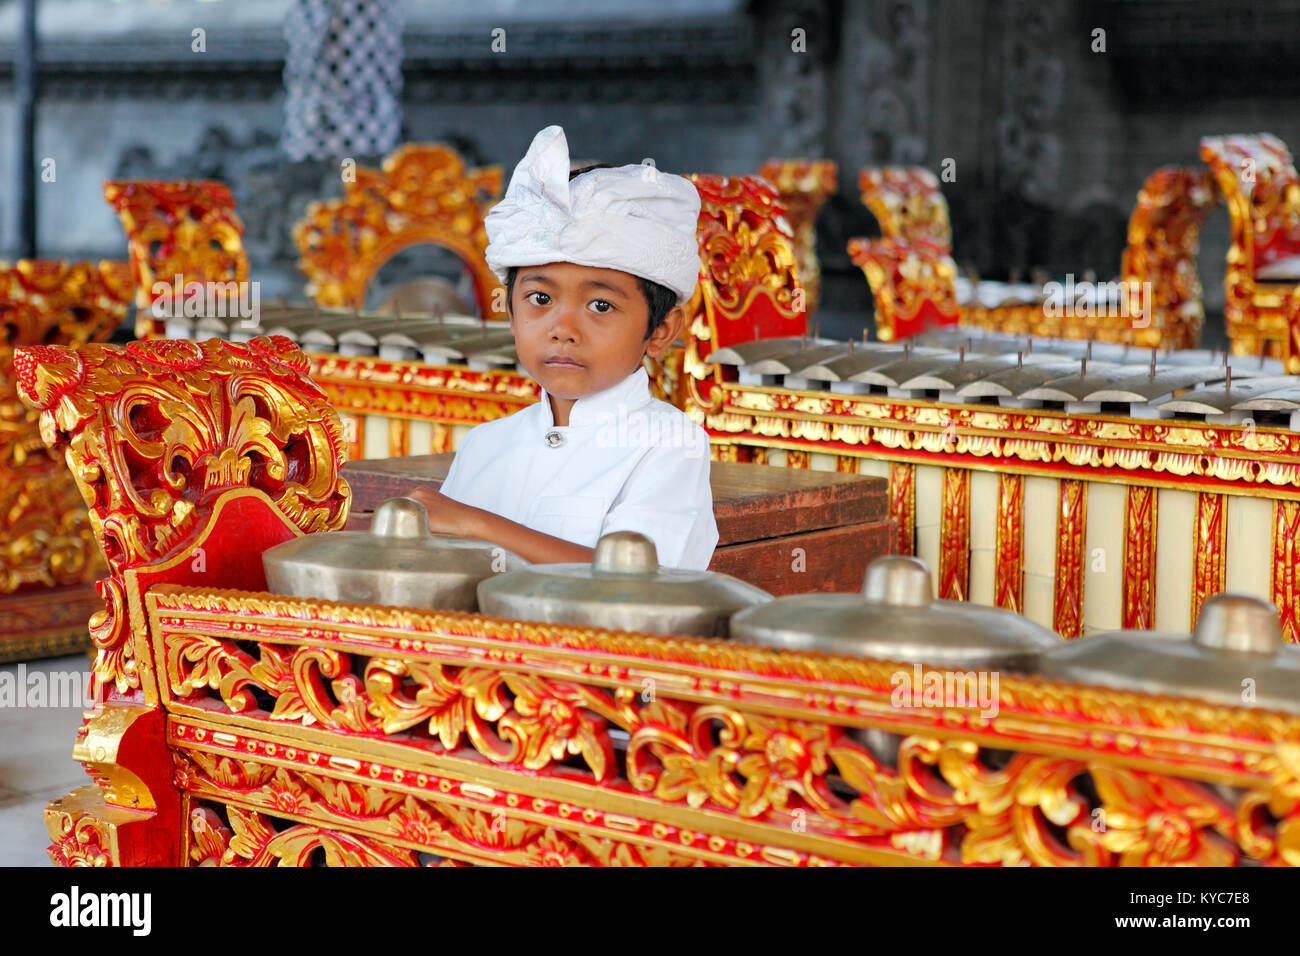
(1090, 487)
(239, 727)
(623, 588)
(397, 562)
(896, 618)
(1235, 655)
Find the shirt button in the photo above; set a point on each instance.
(554, 439)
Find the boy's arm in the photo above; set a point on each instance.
(453, 517)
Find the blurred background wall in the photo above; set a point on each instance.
(1050, 138)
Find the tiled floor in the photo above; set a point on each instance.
(35, 763)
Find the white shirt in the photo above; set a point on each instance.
(625, 462)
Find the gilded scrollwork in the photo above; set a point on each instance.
(252, 840)
(1257, 177)
(78, 840)
(151, 431)
(398, 827)
(1155, 820)
(913, 284)
(907, 203)
(1159, 452)
(804, 186)
(937, 795)
(188, 229)
(46, 533)
(422, 194)
(749, 286)
(1160, 258)
(1280, 842)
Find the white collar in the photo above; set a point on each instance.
(631, 393)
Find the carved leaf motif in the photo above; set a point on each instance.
(883, 801)
(494, 832)
(295, 846)
(209, 837)
(226, 772)
(554, 849)
(252, 836)
(217, 665)
(114, 654)
(438, 698)
(310, 666)
(700, 780)
(782, 757)
(1162, 821)
(355, 799)
(415, 822)
(151, 427)
(551, 720)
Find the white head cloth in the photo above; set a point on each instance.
(634, 218)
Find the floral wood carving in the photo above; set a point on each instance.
(936, 797)
(749, 285)
(913, 284)
(396, 824)
(45, 535)
(422, 194)
(1261, 188)
(804, 186)
(1163, 238)
(907, 203)
(154, 430)
(186, 229)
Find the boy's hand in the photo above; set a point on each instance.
(446, 515)
(452, 517)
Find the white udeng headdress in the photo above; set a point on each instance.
(632, 218)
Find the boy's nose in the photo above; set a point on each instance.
(565, 329)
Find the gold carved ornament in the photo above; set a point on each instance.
(1071, 538)
(1009, 544)
(1261, 189)
(941, 798)
(152, 431)
(954, 539)
(422, 194)
(79, 838)
(1140, 521)
(908, 204)
(1163, 240)
(1190, 456)
(804, 186)
(185, 229)
(1162, 245)
(44, 529)
(397, 826)
(914, 284)
(749, 286)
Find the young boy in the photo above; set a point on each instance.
(597, 264)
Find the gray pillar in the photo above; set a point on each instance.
(25, 134)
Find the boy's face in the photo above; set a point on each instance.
(580, 329)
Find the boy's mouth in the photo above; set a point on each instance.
(562, 361)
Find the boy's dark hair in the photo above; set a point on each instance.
(659, 299)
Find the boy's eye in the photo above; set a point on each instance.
(542, 298)
(601, 306)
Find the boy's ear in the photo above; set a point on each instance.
(662, 338)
